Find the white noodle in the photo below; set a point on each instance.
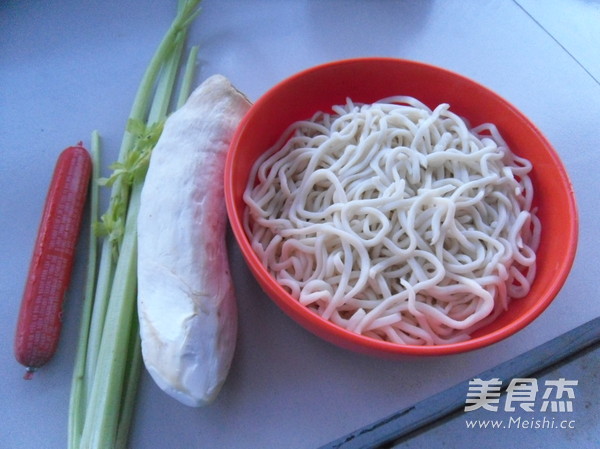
(395, 221)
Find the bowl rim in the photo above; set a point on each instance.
(357, 342)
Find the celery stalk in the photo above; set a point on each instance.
(104, 282)
(188, 77)
(80, 381)
(121, 306)
(102, 412)
(109, 358)
(131, 385)
(186, 14)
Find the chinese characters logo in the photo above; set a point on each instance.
(523, 394)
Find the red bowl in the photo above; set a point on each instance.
(370, 79)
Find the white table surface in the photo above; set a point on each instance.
(69, 67)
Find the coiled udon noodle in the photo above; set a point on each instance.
(395, 221)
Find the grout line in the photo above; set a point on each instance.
(545, 30)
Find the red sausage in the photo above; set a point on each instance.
(39, 323)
